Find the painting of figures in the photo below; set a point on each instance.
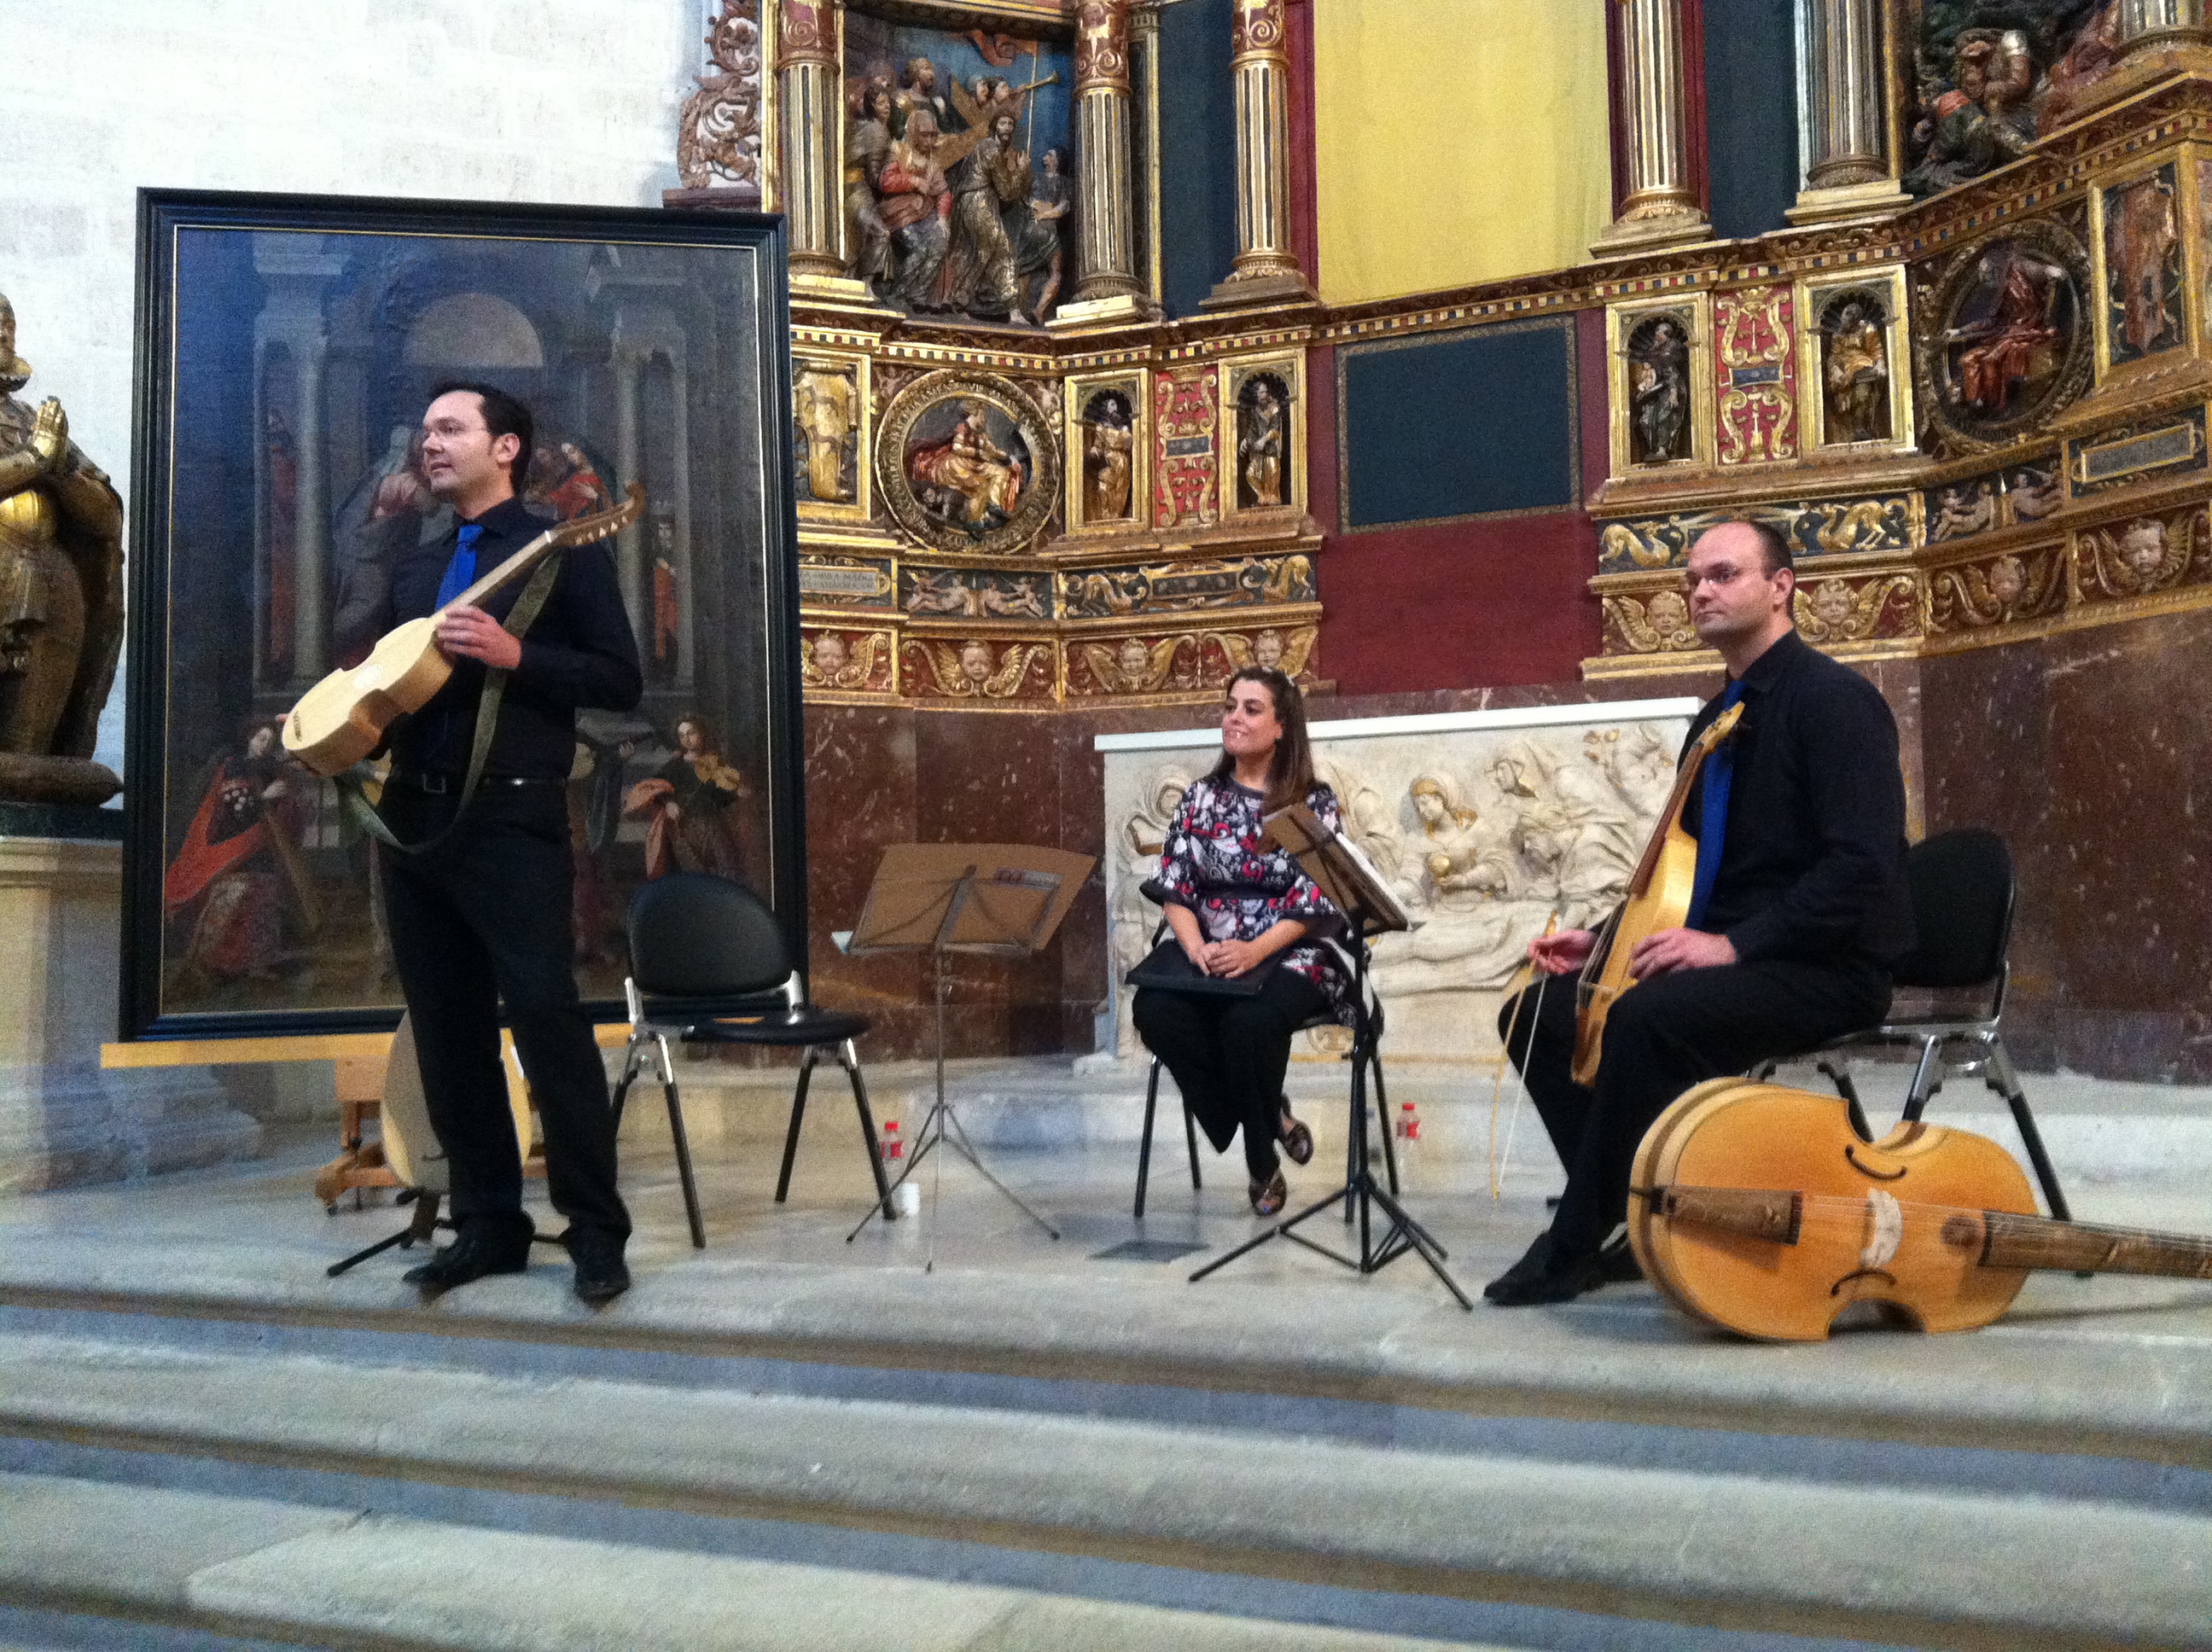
(1990, 76)
(2143, 267)
(288, 355)
(2012, 343)
(959, 192)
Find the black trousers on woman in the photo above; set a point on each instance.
(1229, 1055)
(1660, 1037)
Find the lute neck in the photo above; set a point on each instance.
(508, 571)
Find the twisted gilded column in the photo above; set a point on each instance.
(1105, 217)
(1659, 209)
(1848, 171)
(1265, 269)
(810, 133)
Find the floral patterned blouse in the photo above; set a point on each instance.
(1217, 863)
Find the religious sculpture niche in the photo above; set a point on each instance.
(2142, 277)
(1109, 442)
(826, 406)
(966, 462)
(61, 597)
(959, 200)
(1854, 368)
(1659, 391)
(1263, 442)
(2010, 344)
(1993, 76)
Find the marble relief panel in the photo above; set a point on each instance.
(1483, 834)
(1755, 364)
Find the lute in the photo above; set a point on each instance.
(1658, 898)
(1758, 1208)
(345, 717)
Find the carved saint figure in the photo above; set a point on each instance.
(1856, 374)
(690, 807)
(1659, 392)
(61, 591)
(2139, 239)
(1108, 445)
(1260, 437)
(826, 406)
(1981, 120)
(978, 277)
(867, 147)
(2017, 340)
(916, 208)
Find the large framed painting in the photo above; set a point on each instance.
(287, 346)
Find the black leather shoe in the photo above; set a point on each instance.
(1543, 1275)
(479, 1251)
(601, 1274)
(1616, 1264)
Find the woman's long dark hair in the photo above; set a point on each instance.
(1290, 771)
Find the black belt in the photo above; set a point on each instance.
(440, 784)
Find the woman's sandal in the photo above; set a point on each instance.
(1269, 1198)
(1297, 1139)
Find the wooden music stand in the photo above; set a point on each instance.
(1356, 889)
(991, 900)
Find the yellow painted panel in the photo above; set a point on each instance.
(1457, 141)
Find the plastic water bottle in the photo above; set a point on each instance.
(889, 1145)
(1409, 1128)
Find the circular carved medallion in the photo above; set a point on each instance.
(965, 463)
(2012, 343)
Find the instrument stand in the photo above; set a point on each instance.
(1367, 909)
(994, 900)
(420, 1229)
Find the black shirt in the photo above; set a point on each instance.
(1813, 863)
(578, 652)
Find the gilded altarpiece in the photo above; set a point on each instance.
(1012, 494)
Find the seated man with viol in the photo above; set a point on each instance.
(1798, 910)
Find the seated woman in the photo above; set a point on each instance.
(1240, 907)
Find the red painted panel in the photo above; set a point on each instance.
(1305, 221)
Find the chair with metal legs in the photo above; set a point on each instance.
(708, 966)
(1963, 891)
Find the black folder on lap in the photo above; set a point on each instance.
(1167, 968)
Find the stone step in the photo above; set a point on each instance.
(1763, 1552)
(239, 1566)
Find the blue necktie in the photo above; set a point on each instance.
(461, 572)
(1713, 819)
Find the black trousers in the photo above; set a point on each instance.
(1663, 1036)
(483, 916)
(1229, 1055)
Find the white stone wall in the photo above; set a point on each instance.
(1486, 823)
(542, 100)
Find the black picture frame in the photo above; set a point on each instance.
(280, 340)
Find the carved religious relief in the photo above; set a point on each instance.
(976, 670)
(1186, 418)
(1657, 623)
(974, 593)
(1289, 651)
(1988, 81)
(1106, 454)
(1133, 665)
(1855, 376)
(1659, 408)
(2140, 251)
(1266, 414)
(1756, 384)
(852, 661)
(965, 462)
(1185, 587)
(717, 138)
(2141, 558)
(1102, 44)
(1961, 509)
(829, 412)
(2011, 344)
(1833, 610)
(1974, 596)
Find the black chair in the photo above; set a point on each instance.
(1963, 892)
(1151, 891)
(708, 966)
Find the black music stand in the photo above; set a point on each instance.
(994, 900)
(1357, 891)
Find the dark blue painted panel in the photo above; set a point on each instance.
(1198, 153)
(1751, 114)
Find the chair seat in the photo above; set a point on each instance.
(768, 1024)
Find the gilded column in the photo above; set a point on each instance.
(1847, 173)
(1265, 269)
(1659, 209)
(1105, 208)
(2144, 22)
(812, 134)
